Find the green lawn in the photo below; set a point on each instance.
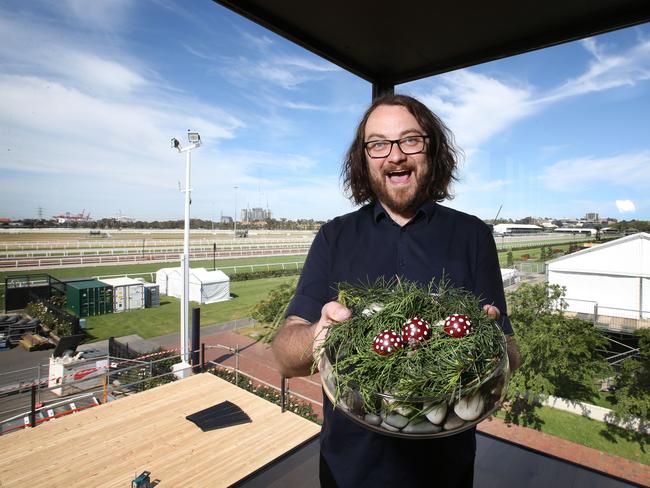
(533, 253)
(151, 322)
(594, 434)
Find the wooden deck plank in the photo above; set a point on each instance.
(108, 445)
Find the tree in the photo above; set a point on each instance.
(560, 355)
(632, 393)
(271, 310)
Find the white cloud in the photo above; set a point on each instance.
(630, 170)
(39, 50)
(198, 53)
(257, 42)
(100, 15)
(606, 71)
(60, 131)
(477, 107)
(625, 206)
(285, 72)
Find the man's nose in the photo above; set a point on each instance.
(396, 155)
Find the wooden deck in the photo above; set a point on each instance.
(108, 445)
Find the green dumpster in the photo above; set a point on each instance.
(89, 297)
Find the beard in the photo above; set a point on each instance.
(401, 200)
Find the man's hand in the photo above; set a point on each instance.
(492, 311)
(511, 345)
(331, 313)
(297, 343)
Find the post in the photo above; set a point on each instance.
(105, 395)
(185, 332)
(196, 338)
(596, 313)
(234, 219)
(237, 365)
(382, 87)
(202, 357)
(214, 256)
(32, 413)
(180, 369)
(283, 392)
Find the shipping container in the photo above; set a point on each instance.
(151, 295)
(89, 297)
(128, 294)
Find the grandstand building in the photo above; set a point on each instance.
(506, 229)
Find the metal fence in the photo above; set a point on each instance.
(31, 396)
(610, 318)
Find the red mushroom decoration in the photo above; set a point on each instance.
(386, 343)
(415, 330)
(458, 325)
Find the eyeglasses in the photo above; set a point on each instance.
(408, 145)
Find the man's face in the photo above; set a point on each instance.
(399, 179)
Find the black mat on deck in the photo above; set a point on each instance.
(221, 415)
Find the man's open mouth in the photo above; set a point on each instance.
(399, 176)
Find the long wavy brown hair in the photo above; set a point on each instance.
(441, 151)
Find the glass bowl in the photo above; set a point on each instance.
(420, 417)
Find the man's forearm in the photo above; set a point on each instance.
(513, 353)
(293, 347)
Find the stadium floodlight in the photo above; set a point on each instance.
(182, 369)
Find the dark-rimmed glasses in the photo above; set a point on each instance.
(408, 145)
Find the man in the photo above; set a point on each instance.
(400, 165)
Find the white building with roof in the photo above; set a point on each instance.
(205, 286)
(612, 279)
(502, 229)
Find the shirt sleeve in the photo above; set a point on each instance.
(312, 291)
(489, 283)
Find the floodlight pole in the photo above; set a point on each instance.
(185, 260)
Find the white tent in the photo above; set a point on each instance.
(205, 286)
(611, 279)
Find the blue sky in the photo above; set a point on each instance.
(92, 97)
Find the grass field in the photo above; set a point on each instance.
(152, 322)
(594, 434)
(533, 253)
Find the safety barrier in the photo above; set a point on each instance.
(113, 371)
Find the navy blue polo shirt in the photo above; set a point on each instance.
(361, 247)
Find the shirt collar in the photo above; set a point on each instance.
(428, 209)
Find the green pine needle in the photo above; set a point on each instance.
(440, 368)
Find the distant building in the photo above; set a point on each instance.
(503, 229)
(592, 217)
(255, 214)
(71, 217)
(576, 230)
(226, 219)
(549, 226)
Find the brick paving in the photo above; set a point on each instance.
(256, 360)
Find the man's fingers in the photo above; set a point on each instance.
(492, 311)
(331, 313)
(334, 312)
